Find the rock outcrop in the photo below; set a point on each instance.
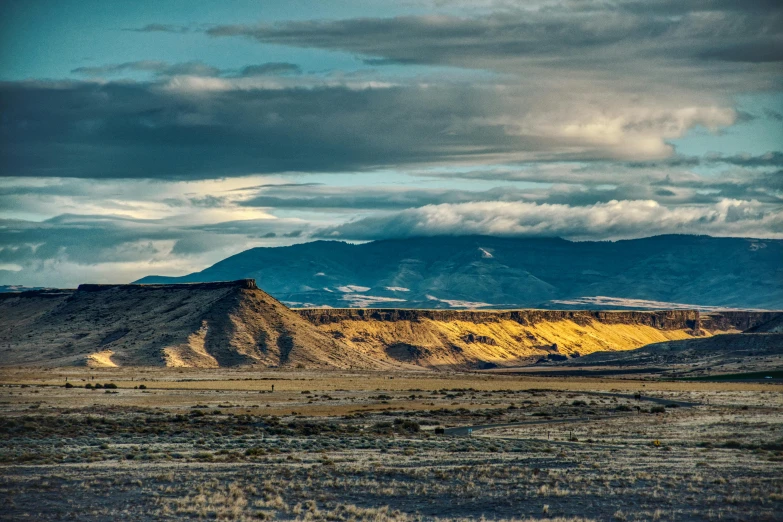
(662, 319)
(736, 320)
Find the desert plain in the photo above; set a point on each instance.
(244, 444)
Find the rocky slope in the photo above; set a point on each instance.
(200, 325)
(490, 272)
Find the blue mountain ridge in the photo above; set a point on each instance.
(503, 272)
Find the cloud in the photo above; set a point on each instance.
(326, 198)
(161, 28)
(770, 159)
(270, 68)
(192, 68)
(773, 115)
(617, 80)
(586, 81)
(610, 220)
(69, 249)
(564, 34)
(197, 128)
(137, 227)
(740, 177)
(546, 117)
(117, 68)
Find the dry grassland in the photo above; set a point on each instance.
(220, 445)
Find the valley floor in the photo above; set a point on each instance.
(221, 444)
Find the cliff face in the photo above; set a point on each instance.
(485, 338)
(736, 320)
(661, 319)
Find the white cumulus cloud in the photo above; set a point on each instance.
(611, 220)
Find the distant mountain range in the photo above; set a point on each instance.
(673, 271)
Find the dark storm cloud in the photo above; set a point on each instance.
(133, 130)
(765, 50)
(586, 81)
(198, 128)
(251, 228)
(681, 7)
(568, 34)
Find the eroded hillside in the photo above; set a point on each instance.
(202, 325)
(437, 338)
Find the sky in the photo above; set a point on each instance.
(159, 137)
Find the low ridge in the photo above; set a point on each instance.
(733, 354)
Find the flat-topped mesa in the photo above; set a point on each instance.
(201, 325)
(662, 319)
(247, 284)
